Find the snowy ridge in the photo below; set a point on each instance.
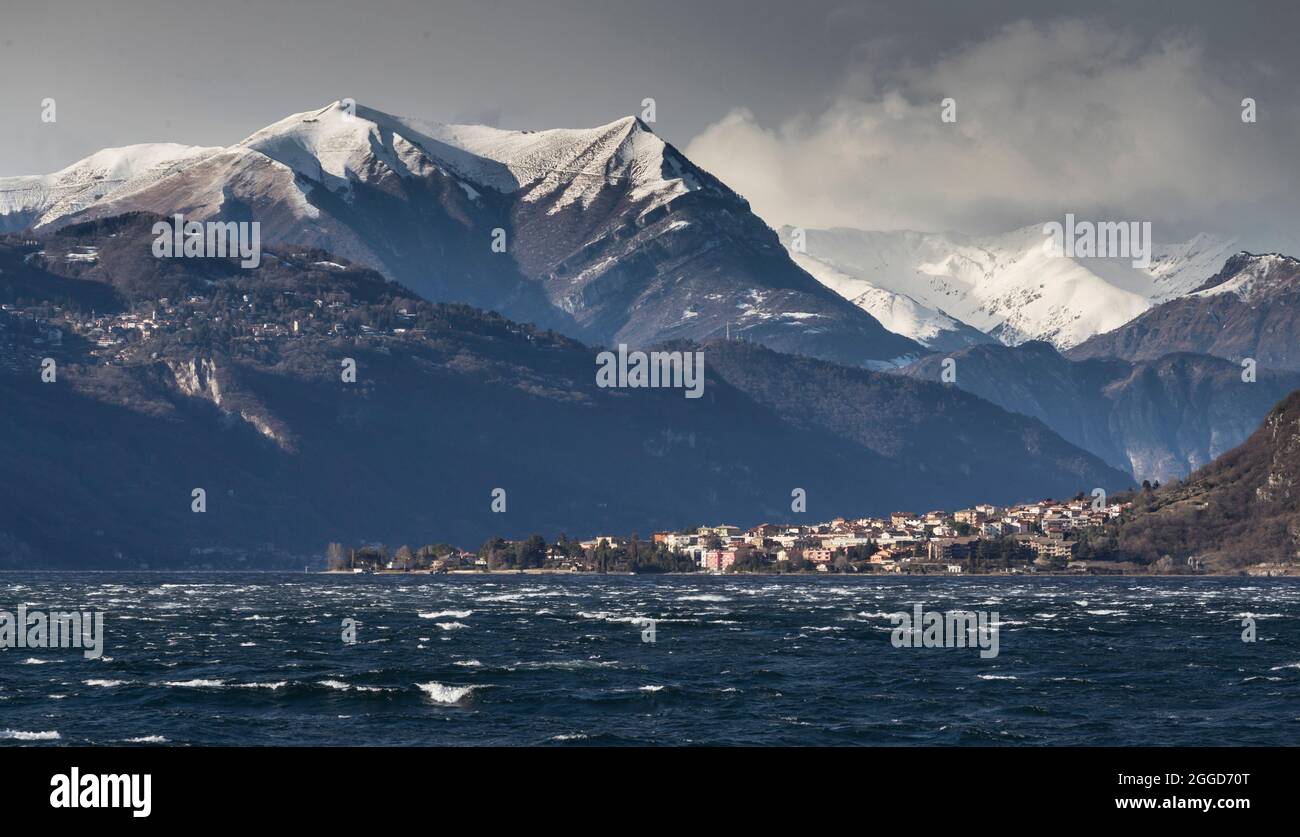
(1178, 269)
(1004, 285)
(333, 147)
(1256, 277)
(111, 171)
(573, 166)
(897, 312)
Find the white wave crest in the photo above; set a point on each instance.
(21, 735)
(442, 693)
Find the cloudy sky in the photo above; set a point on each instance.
(821, 113)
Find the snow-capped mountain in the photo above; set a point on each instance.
(897, 312)
(610, 234)
(1006, 286)
(36, 200)
(1249, 309)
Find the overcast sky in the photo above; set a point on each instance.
(821, 113)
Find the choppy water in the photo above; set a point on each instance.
(259, 659)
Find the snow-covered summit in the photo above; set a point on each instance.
(336, 144)
(1254, 277)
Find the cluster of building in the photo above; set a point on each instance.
(1032, 535)
(111, 336)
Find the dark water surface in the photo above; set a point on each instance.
(257, 658)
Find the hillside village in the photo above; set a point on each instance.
(245, 313)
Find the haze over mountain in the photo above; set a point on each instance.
(1158, 419)
(610, 234)
(184, 373)
(945, 290)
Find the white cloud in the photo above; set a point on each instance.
(1069, 116)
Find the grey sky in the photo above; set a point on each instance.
(744, 85)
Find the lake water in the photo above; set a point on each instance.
(259, 658)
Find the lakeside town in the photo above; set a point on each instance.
(1045, 536)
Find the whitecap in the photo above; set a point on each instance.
(21, 735)
(278, 684)
(441, 693)
(335, 684)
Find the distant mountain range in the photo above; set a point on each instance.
(610, 234)
(177, 374)
(1249, 309)
(1158, 419)
(1158, 389)
(947, 291)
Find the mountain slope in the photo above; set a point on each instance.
(1249, 309)
(177, 374)
(1005, 285)
(897, 312)
(37, 200)
(1157, 419)
(931, 427)
(1244, 508)
(611, 234)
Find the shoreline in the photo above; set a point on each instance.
(1043, 574)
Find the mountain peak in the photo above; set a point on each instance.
(1252, 276)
